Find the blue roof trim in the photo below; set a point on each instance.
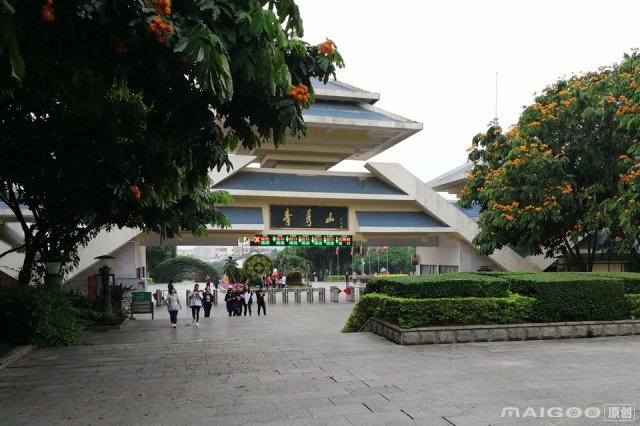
(345, 111)
(243, 215)
(398, 219)
(473, 211)
(285, 182)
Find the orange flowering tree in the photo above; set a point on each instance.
(113, 112)
(563, 180)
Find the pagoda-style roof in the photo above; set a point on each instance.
(452, 181)
(343, 125)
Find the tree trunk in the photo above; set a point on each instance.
(24, 277)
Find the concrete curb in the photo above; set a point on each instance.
(501, 332)
(15, 354)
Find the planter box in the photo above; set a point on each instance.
(501, 332)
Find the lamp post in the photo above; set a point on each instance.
(52, 277)
(105, 275)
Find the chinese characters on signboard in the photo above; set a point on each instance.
(309, 217)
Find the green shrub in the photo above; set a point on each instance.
(439, 286)
(631, 280)
(341, 277)
(294, 278)
(634, 304)
(372, 305)
(410, 313)
(572, 296)
(183, 268)
(39, 315)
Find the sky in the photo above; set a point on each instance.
(435, 62)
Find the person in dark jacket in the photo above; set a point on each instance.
(230, 300)
(237, 294)
(260, 301)
(207, 302)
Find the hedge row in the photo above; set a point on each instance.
(561, 296)
(439, 286)
(410, 313)
(41, 316)
(341, 277)
(573, 296)
(631, 280)
(634, 305)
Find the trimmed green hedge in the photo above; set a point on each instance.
(410, 313)
(634, 305)
(572, 296)
(341, 277)
(481, 298)
(39, 315)
(439, 286)
(631, 280)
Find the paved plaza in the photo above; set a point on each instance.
(295, 367)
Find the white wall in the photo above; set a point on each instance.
(471, 262)
(127, 258)
(447, 252)
(453, 252)
(124, 264)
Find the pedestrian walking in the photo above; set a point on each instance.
(207, 302)
(283, 281)
(216, 282)
(260, 300)
(237, 294)
(173, 305)
(230, 300)
(346, 277)
(196, 303)
(247, 299)
(169, 286)
(207, 280)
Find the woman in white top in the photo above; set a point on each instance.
(173, 304)
(247, 299)
(195, 300)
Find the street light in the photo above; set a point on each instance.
(105, 274)
(52, 267)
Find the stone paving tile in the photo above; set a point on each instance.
(380, 418)
(295, 367)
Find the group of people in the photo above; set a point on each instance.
(196, 300)
(239, 301)
(274, 280)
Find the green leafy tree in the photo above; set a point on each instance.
(183, 268)
(113, 112)
(158, 254)
(555, 180)
(397, 260)
(320, 258)
(232, 271)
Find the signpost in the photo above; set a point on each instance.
(302, 240)
(141, 303)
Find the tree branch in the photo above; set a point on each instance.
(11, 250)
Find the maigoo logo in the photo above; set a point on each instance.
(256, 265)
(553, 412)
